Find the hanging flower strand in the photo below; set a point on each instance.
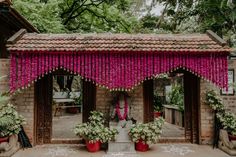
(125, 109)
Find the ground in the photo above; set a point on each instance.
(157, 150)
(62, 126)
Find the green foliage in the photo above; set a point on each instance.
(10, 120)
(177, 96)
(214, 101)
(94, 130)
(44, 16)
(157, 103)
(149, 132)
(227, 119)
(55, 16)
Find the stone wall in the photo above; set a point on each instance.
(4, 72)
(230, 101)
(105, 97)
(206, 114)
(24, 101)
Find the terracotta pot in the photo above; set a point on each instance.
(157, 114)
(232, 137)
(93, 147)
(141, 146)
(4, 139)
(73, 110)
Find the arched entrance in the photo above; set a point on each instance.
(43, 108)
(191, 103)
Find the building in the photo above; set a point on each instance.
(117, 62)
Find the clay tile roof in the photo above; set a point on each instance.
(118, 42)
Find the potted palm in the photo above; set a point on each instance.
(10, 120)
(94, 132)
(145, 134)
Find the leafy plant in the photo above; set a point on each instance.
(177, 96)
(214, 101)
(94, 130)
(149, 132)
(10, 120)
(228, 121)
(157, 103)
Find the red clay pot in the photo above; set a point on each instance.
(93, 147)
(232, 137)
(157, 114)
(4, 139)
(141, 146)
(73, 110)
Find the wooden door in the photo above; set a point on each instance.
(43, 110)
(148, 96)
(192, 107)
(89, 99)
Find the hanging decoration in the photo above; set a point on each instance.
(115, 70)
(125, 109)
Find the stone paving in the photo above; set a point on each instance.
(170, 130)
(157, 150)
(62, 126)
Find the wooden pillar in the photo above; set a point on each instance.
(89, 99)
(148, 95)
(192, 107)
(43, 110)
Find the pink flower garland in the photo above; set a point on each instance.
(118, 109)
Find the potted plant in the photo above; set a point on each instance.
(145, 134)
(228, 121)
(10, 120)
(94, 132)
(158, 107)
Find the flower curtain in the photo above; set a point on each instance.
(115, 70)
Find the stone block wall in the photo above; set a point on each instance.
(206, 114)
(104, 101)
(4, 72)
(24, 102)
(230, 100)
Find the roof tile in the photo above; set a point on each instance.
(117, 42)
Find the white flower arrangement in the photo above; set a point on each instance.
(94, 130)
(227, 119)
(10, 120)
(214, 101)
(148, 133)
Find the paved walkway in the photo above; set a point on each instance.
(171, 130)
(62, 126)
(158, 150)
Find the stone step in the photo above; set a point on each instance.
(122, 147)
(121, 154)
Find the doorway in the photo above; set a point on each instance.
(58, 109)
(182, 120)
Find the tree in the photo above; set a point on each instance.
(78, 15)
(44, 16)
